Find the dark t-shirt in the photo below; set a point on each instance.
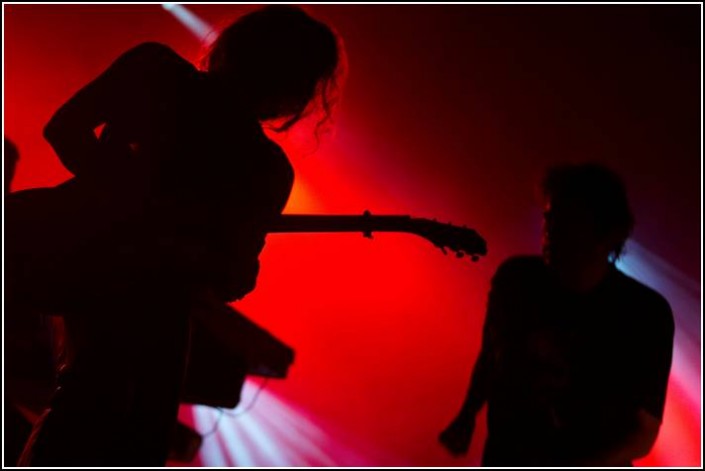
(569, 371)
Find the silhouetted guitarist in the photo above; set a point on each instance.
(175, 196)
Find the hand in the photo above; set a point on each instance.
(232, 283)
(457, 436)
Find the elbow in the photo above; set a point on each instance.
(51, 131)
(54, 130)
(648, 433)
(64, 124)
(58, 138)
(647, 444)
(75, 145)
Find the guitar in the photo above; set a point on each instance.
(44, 227)
(461, 240)
(233, 340)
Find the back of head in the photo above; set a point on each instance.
(597, 189)
(277, 59)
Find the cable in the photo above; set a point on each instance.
(222, 412)
(250, 405)
(215, 425)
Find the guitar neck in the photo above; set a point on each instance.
(365, 223)
(461, 240)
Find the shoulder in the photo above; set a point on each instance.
(518, 268)
(152, 59)
(151, 51)
(649, 305)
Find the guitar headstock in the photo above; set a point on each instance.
(460, 240)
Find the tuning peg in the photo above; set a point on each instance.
(459, 254)
(474, 258)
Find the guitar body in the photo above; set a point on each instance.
(39, 223)
(217, 369)
(67, 243)
(71, 238)
(59, 241)
(43, 219)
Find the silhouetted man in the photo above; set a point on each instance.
(575, 355)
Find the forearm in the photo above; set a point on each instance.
(635, 444)
(77, 147)
(478, 389)
(71, 130)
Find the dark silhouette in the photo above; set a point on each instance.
(175, 183)
(30, 347)
(10, 157)
(575, 355)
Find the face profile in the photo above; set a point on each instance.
(171, 203)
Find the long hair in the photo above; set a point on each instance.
(287, 62)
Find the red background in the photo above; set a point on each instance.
(449, 112)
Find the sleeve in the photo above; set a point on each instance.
(493, 332)
(654, 358)
(496, 307)
(481, 378)
(505, 292)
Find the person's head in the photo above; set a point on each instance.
(278, 60)
(587, 218)
(10, 157)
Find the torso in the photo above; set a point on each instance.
(565, 363)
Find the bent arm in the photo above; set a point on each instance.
(458, 434)
(480, 380)
(478, 389)
(637, 444)
(71, 130)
